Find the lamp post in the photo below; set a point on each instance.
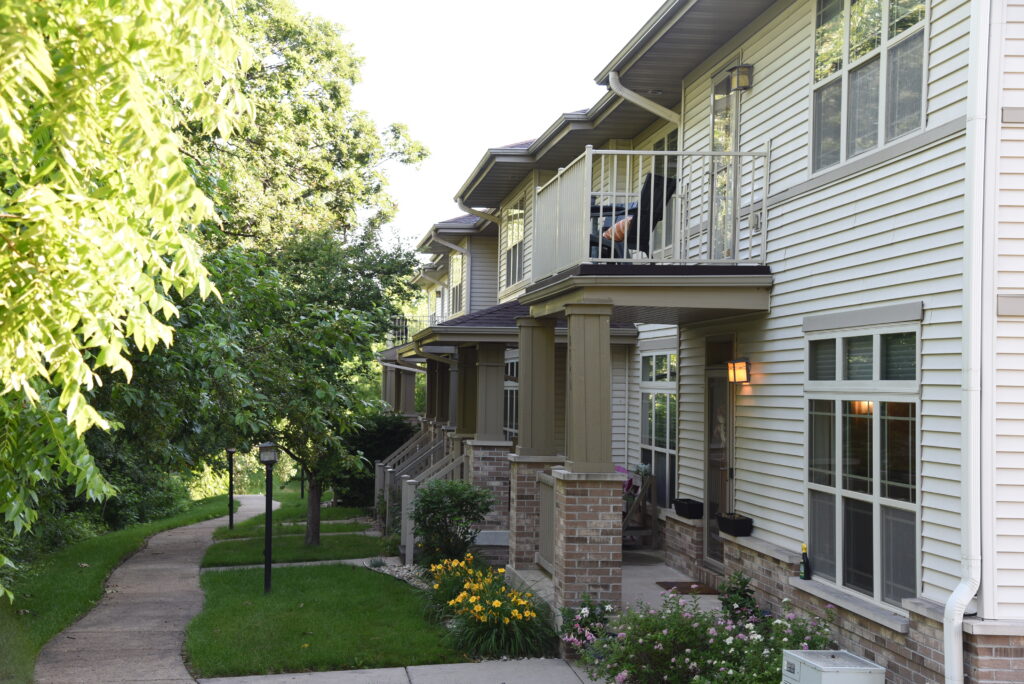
(268, 457)
(231, 488)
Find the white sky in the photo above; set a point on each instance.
(466, 75)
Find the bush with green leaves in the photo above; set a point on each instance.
(446, 514)
(682, 642)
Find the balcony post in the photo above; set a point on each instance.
(581, 240)
(588, 430)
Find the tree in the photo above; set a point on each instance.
(94, 198)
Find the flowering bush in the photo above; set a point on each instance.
(490, 618)
(582, 626)
(681, 642)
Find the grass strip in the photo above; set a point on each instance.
(61, 586)
(320, 618)
(250, 532)
(291, 549)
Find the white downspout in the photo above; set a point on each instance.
(476, 212)
(976, 308)
(640, 101)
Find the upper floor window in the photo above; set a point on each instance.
(456, 276)
(514, 229)
(868, 76)
(862, 462)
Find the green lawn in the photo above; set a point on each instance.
(315, 619)
(249, 531)
(62, 586)
(290, 549)
(293, 509)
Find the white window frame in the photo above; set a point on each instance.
(882, 53)
(668, 386)
(455, 282)
(514, 252)
(877, 391)
(510, 402)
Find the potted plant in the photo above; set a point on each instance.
(735, 524)
(689, 508)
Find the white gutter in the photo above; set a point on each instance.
(476, 212)
(977, 310)
(640, 101)
(398, 366)
(450, 245)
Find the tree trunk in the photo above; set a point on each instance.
(313, 511)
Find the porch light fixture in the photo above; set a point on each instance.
(739, 370)
(741, 77)
(862, 408)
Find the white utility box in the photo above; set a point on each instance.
(829, 667)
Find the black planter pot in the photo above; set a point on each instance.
(736, 526)
(689, 508)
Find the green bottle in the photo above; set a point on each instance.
(805, 563)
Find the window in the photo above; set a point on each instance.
(667, 166)
(658, 416)
(510, 420)
(515, 229)
(456, 276)
(868, 54)
(862, 462)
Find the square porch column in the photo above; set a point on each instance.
(536, 450)
(406, 393)
(588, 421)
(487, 453)
(430, 413)
(466, 393)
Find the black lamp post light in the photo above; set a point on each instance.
(231, 488)
(268, 457)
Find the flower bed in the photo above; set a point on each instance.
(681, 642)
(488, 617)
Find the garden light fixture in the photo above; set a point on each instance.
(268, 453)
(231, 488)
(268, 457)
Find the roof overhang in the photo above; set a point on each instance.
(453, 230)
(439, 336)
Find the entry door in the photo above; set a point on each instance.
(718, 448)
(724, 178)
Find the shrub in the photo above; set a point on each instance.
(681, 642)
(444, 515)
(492, 619)
(737, 598)
(582, 626)
(376, 438)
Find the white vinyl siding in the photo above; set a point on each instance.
(525, 192)
(1006, 537)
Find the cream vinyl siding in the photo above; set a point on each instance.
(527, 191)
(888, 235)
(483, 272)
(1007, 488)
(948, 47)
(620, 403)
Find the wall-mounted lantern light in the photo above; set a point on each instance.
(739, 370)
(741, 77)
(862, 408)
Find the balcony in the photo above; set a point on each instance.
(702, 208)
(621, 225)
(404, 327)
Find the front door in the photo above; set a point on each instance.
(718, 446)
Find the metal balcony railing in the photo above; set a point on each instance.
(671, 207)
(404, 327)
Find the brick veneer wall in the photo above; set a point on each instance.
(588, 538)
(524, 510)
(993, 659)
(489, 468)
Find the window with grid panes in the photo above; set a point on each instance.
(514, 226)
(456, 276)
(666, 166)
(658, 415)
(862, 462)
(510, 418)
(868, 76)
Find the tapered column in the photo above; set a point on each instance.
(431, 412)
(466, 399)
(490, 387)
(452, 393)
(387, 385)
(536, 386)
(588, 429)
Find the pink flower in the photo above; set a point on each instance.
(621, 677)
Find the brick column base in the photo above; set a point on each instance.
(990, 658)
(588, 538)
(489, 469)
(524, 508)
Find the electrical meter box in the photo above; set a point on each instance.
(829, 667)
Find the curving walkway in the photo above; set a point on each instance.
(137, 630)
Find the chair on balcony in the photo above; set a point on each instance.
(640, 219)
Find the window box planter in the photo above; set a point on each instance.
(689, 508)
(735, 524)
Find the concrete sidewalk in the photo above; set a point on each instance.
(136, 632)
(529, 671)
